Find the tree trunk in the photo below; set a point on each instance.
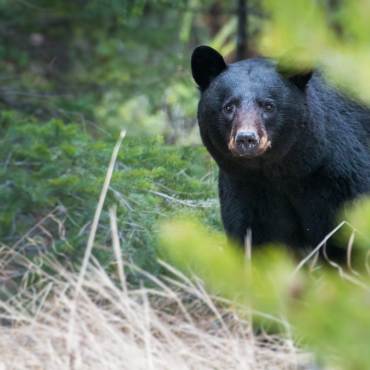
(242, 32)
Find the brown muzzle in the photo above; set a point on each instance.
(248, 136)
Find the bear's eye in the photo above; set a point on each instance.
(229, 108)
(268, 106)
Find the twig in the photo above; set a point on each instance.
(188, 203)
(319, 246)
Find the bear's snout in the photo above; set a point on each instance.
(248, 136)
(246, 142)
(249, 142)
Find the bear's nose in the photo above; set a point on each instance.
(246, 139)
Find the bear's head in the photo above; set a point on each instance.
(249, 110)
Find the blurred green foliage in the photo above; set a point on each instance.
(328, 313)
(332, 35)
(357, 222)
(224, 267)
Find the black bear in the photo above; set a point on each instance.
(291, 150)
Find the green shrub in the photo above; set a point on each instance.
(60, 164)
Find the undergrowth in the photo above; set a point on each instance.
(55, 170)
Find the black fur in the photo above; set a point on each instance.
(319, 155)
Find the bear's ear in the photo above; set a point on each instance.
(299, 78)
(206, 64)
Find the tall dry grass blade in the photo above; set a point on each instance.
(116, 247)
(91, 239)
(248, 245)
(99, 208)
(349, 254)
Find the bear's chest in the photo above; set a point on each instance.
(293, 213)
(274, 218)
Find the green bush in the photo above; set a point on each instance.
(60, 164)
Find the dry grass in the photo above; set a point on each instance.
(174, 325)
